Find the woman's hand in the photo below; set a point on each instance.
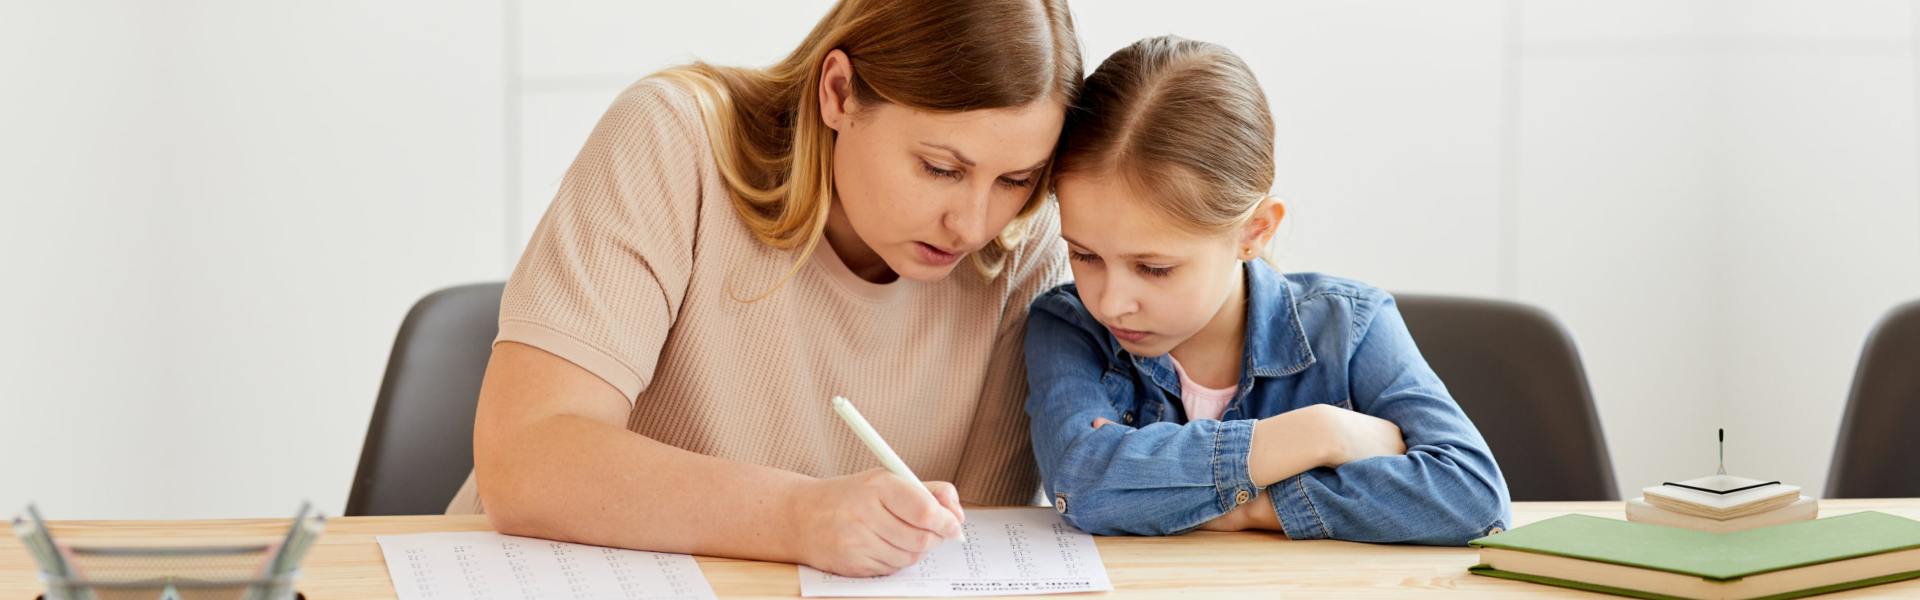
(872, 523)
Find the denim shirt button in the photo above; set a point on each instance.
(1242, 497)
(1127, 419)
(1060, 503)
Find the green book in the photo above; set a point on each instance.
(1665, 563)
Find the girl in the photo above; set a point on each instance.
(1179, 383)
(735, 246)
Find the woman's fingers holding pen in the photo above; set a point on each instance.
(849, 526)
(949, 498)
(910, 502)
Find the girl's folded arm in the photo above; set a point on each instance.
(1446, 490)
(1155, 480)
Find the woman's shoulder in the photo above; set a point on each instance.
(655, 110)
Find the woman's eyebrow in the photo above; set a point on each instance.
(969, 162)
(950, 150)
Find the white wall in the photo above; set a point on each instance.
(216, 213)
(215, 216)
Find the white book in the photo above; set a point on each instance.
(1722, 496)
(1806, 508)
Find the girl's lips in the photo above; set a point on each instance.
(1129, 334)
(935, 255)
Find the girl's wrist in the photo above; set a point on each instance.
(1289, 444)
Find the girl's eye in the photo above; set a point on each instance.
(1017, 183)
(1155, 271)
(1083, 257)
(939, 172)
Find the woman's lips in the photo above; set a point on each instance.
(1129, 334)
(936, 255)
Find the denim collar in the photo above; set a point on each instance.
(1276, 343)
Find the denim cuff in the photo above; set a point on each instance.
(1232, 482)
(1298, 517)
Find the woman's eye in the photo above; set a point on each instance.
(939, 172)
(1017, 183)
(1084, 257)
(1155, 271)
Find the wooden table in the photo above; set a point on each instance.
(347, 563)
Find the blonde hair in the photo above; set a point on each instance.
(776, 153)
(1186, 127)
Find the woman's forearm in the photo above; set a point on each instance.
(576, 479)
(553, 459)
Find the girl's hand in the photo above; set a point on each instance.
(872, 523)
(1353, 435)
(1257, 514)
(1322, 435)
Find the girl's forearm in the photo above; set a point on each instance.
(1286, 445)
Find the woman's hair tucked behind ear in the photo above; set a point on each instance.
(932, 55)
(1184, 123)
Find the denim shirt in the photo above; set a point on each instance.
(1310, 339)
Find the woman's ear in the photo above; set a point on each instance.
(837, 104)
(1261, 227)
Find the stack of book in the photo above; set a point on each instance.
(1722, 504)
(1648, 561)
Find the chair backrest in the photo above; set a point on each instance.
(1875, 456)
(419, 447)
(1514, 370)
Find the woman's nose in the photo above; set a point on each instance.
(968, 217)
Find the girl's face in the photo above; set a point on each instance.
(922, 190)
(1153, 285)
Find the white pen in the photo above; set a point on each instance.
(865, 432)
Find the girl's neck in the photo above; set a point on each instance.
(1213, 355)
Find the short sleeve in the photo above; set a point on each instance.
(603, 279)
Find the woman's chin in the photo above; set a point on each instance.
(922, 272)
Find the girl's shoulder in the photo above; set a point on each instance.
(1311, 287)
(1063, 303)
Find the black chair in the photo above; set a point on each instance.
(1875, 456)
(1514, 369)
(419, 447)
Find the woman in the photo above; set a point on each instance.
(671, 338)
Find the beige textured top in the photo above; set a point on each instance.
(627, 276)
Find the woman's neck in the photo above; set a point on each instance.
(1213, 355)
(854, 252)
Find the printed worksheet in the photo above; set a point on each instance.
(1008, 552)
(484, 565)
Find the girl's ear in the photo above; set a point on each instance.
(1261, 227)
(837, 104)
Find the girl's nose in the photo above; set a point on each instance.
(1117, 300)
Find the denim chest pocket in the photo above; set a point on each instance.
(1121, 393)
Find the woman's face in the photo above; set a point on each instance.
(921, 190)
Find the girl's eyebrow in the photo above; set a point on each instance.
(969, 162)
(1128, 256)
